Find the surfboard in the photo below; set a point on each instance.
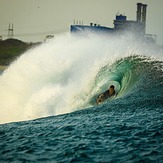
(102, 97)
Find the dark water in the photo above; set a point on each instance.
(128, 128)
(114, 133)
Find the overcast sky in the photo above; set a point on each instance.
(34, 19)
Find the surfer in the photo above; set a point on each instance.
(105, 95)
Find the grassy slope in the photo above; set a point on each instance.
(10, 49)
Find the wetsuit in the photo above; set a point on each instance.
(106, 94)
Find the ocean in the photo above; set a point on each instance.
(48, 110)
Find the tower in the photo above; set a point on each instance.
(144, 13)
(11, 31)
(141, 15)
(138, 15)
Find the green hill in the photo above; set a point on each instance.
(10, 49)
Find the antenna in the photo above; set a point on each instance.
(11, 31)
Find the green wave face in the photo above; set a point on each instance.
(124, 74)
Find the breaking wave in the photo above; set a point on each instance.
(68, 72)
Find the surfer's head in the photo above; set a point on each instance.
(112, 86)
(111, 90)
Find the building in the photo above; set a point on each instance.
(121, 25)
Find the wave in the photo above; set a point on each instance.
(126, 74)
(68, 72)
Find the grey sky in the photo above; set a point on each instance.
(34, 19)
